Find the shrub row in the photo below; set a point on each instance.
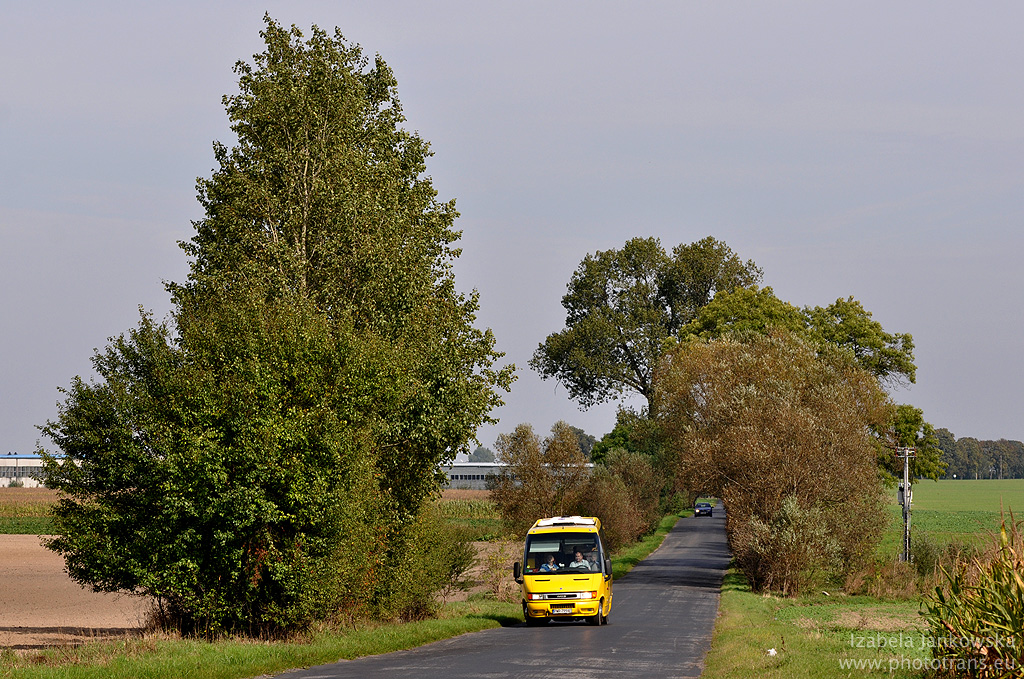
(551, 478)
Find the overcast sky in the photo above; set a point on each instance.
(872, 149)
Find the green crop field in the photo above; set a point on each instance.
(968, 496)
(965, 511)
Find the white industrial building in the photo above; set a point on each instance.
(471, 475)
(18, 469)
(27, 470)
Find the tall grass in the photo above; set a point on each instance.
(812, 636)
(474, 519)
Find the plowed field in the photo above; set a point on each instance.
(41, 606)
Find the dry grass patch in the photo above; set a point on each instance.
(26, 501)
(877, 619)
(31, 495)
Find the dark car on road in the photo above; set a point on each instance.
(702, 509)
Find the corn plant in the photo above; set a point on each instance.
(468, 509)
(977, 618)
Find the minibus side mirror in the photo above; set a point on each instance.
(516, 572)
(608, 568)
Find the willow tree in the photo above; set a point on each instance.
(781, 430)
(260, 459)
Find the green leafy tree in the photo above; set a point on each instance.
(586, 441)
(844, 324)
(1006, 456)
(744, 311)
(617, 438)
(482, 454)
(633, 432)
(947, 444)
(623, 305)
(1014, 467)
(907, 428)
(216, 473)
(976, 463)
(325, 197)
(261, 460)
(625, 493)
(697, 272)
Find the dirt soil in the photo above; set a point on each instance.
(40, 605)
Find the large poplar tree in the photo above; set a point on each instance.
(259, 460)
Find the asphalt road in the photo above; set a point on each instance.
(660, 626)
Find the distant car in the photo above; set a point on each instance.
(703, 509)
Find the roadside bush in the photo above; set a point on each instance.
(644, 483)
(957, 555)
(889, 578)
(926, 555)
(625, 493)
(432, 566)
(542, 478)
(884, 579)
(609, 499)
(498, 570)
(930, 557)
(797, 549)
(678, 501)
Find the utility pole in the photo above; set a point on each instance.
(905, 496)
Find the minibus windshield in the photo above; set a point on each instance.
(562, 552)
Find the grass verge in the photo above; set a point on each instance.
(25, 525)
(233, 659)
(814, 636)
